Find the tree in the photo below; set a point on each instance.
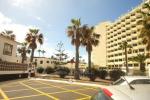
(43, 51)
(23, 50)
(124, 45)
(39, 51)
(60, 56)
(145, 29)
(89, 39)
(32, 38)
(140, 58)
(74, 32)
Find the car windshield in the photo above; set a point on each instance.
(119, 81)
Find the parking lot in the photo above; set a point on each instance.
(45, 90)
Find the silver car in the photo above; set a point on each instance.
(132, 80)
(124, 92)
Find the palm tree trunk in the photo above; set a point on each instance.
(23, 55)
(77, 63)
(22, 60)
(126, 61)
(89, 62)
(32, 55)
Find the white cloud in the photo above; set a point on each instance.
(4, 20)
(22, 3)
(19, 30)
(38, 18)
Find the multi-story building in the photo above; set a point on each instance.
(99, 52)
(123, 29)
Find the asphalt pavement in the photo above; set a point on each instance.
(45, 90)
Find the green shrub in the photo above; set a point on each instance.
(102, 74)
(116, 74)
(40, 69)
(49, 70)
(91, 75)
(62, 71)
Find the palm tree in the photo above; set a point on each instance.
(39, 51)
(9, 34)
(32, 38)
(124, 47)
(145, 29)
(140, 58)
(90, 39)
(74, 32)
(23, 51)
(43, 51)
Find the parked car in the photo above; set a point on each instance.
(123, 92)
(132, 80)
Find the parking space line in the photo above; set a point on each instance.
(39, 91)
(17, 90)
(27, 89)
(4, 95)
(25, 96)
(59, 92)
(65, 89)
(84, 98)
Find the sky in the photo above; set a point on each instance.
(53, 16)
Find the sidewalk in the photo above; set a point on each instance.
(71, 82)
(70, 78)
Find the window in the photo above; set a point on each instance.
(134, 44)
(134, 38)
(141, 81)
(141, 50)
(41, 62)
(47, 61)
(7, 49)
(135, 65)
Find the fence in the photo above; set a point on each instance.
(9, 66)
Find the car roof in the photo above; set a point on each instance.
(140, 92)
(130, 78)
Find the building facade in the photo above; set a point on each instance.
(8, 48)
(99, 52)
(44, 62)
(123, 29)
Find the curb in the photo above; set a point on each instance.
(70, 82)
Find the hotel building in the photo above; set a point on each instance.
(113, 34)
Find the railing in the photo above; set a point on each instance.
(9, 66)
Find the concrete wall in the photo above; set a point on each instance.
(45, 64)
(10, 58)
(99, 52)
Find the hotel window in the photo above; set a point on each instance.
(134, 44)
(136, 65)
(141, 50)
(130, 65)
(134, 38)
(7, 49)
(120, 59)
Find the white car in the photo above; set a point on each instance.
(132, 80)
(124, 92)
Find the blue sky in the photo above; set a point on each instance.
(53, 16)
